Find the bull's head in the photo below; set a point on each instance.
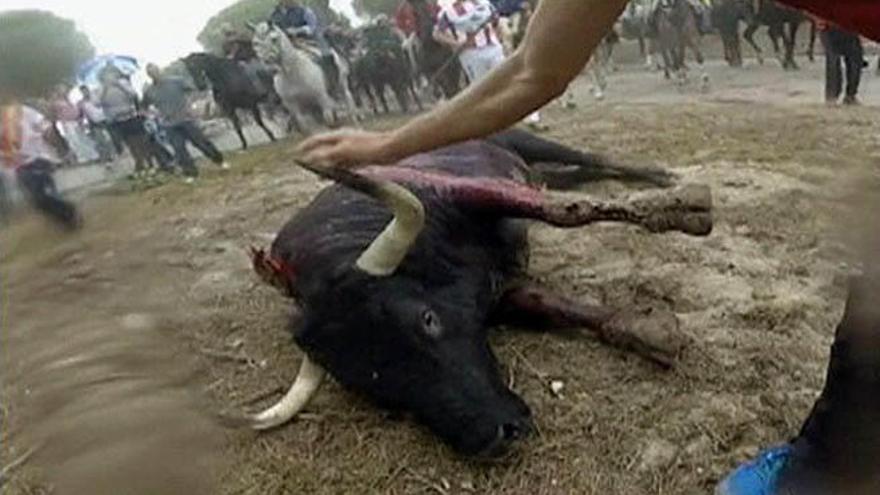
(385, 333)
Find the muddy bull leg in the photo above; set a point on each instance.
(685, 209)
(650, 333)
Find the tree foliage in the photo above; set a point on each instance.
(39, 50)
(245, 11)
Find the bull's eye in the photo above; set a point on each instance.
(431, 324)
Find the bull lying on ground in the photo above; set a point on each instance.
(397, 307)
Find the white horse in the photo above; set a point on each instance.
(301, 82)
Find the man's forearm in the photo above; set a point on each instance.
(535, 74)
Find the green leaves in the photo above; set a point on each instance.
(39, 50)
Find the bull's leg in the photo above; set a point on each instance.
(588, 166)
(686, 209)
(652, 334)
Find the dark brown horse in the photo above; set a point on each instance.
(782, 23)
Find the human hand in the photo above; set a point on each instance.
(347, 148)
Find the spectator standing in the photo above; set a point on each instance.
(841, 46)
(66, 117)
(119, 101)
(169, 96)
(470, 28)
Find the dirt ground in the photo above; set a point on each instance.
(117, 340)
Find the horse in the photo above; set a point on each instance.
(302, 83)
(384, 63)
(677, 30)
(782, 22)
(726, 17)
(635, 24)
(232, 89)
(435, 61)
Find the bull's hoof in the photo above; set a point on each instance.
(687, 209)
(651, 333)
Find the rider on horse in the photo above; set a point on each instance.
(300, 22)
(239, 47)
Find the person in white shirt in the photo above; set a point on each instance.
(470, 27)
(25, 151)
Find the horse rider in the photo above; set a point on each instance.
(236, 45)
(239, 47)
(300, 22)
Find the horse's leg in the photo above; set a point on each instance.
(776, 33)
(410, 84)
(258, 116)
(381, 95)
(349, 101)
(402, 97)
(295, 124)
(232, 115)
(368, 89)
(737, 47)
(749, 35)
(811, 50)
(643, 50)
(790, 43)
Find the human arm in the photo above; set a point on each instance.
(445, 38)
(559, 41)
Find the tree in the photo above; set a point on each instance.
(39, 50)
(242, 12)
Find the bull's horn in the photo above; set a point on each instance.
(388, 250)
(301, 392)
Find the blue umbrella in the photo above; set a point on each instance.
(89, 72)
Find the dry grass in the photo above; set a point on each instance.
(759, 298)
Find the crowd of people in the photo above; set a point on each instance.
(106, 121)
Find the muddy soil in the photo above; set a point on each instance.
(118, 342)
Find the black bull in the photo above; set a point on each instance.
(401, 315)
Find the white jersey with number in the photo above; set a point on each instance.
(21, 137)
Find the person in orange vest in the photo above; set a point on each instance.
(841, 46)
(26, 152)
